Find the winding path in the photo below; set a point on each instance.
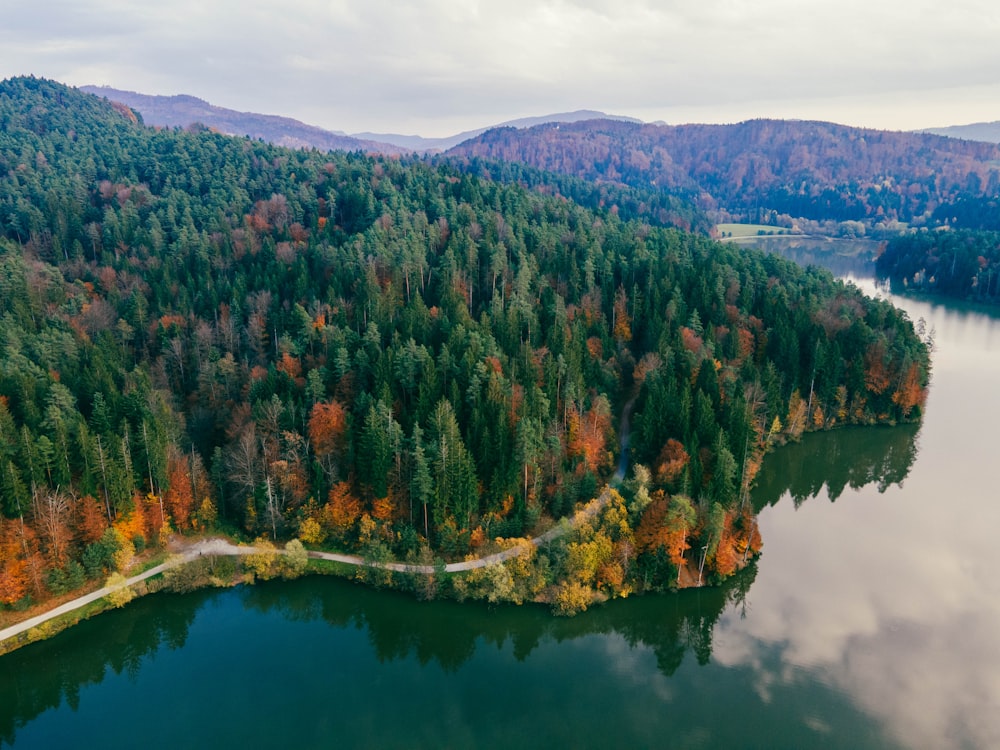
(209, 546)
(219, 546)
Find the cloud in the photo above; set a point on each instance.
(889, 598)
(350, 62)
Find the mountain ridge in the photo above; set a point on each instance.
(763, 169)
(987, 132)
(421, 143)
(184, 110)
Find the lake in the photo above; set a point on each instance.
(872, 619)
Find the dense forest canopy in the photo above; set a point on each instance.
(964, 264)
(397, 355)
(758, 169)
(645, 203)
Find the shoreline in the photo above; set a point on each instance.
(41, 627)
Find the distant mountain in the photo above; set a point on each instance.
(755, 169)
(182, 111)
(419, 143)
(988, 132)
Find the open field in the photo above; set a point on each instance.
(749, 230)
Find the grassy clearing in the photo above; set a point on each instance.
(737, 231)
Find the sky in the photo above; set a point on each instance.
(438, 67)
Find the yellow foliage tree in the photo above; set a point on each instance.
(571, 598)
(262, 562)
(311, 532)
(206, 516)
(120, 594)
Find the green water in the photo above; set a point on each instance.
(323, 663)
(872, 620)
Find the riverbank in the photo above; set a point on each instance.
(67, 614)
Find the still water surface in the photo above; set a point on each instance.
(871, 620)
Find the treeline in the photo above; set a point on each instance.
(963, 264)
(201, 331)
(627, 202)
(811, 170)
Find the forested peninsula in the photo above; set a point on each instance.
(962, 264)
(395, 357)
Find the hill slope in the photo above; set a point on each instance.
(419, 143)
(814, 170)
(987, 132)
(385, 355)
(182, 111)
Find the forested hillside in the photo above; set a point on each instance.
(761, 169)
(200, 331)
(647, 204)
(963, 264)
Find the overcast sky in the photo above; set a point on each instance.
(436, 67)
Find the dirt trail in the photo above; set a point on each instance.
(203, 547)
(218, 546)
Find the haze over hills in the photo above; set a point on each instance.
(988, 132)
(253, 327)
(183, 110)
(772, 171)
(760, 169)
(419, 143)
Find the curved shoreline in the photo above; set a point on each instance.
(219, 546)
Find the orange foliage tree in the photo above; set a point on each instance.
(327, 424)
(14, 574)
(910, 393)
(132, 525)
(91, 519)
(666, 524)
(691, 340)
(671, 461)
(179, 499)
(878, 375)
(341, 511)
(588, 434)
(623, 323)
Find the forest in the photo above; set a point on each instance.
(201, 333)
(760, 169)
(964, 264)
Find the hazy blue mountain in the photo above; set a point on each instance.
(182, 111)
(989, 132)
(419, 143)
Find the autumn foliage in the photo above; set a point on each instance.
(327, 423)
(179, 498)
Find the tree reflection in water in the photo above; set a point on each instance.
(45, 675)
(851, 457)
